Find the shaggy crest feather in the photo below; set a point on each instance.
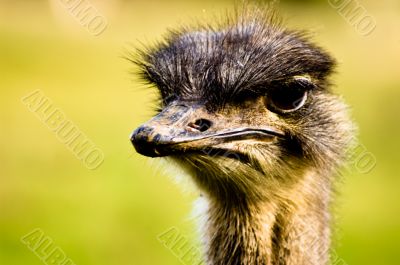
(249, 52)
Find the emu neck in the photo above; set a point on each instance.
(291, 228)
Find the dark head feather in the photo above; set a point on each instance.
(249, 52)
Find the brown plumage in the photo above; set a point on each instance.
(247, 111)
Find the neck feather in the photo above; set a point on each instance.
(290, 228)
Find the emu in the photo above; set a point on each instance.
(247, 111)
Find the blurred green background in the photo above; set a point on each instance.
(112, 215)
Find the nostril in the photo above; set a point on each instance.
(201, 125)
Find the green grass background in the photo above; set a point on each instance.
(112, 215)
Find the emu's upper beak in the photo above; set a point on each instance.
(180, 128)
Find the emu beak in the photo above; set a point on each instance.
(180, 128)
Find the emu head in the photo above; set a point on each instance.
(245, 107)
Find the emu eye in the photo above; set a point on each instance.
(290, 96)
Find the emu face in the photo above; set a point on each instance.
(245, 108)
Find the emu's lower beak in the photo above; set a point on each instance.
(180, 128)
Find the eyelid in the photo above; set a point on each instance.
(304, 80)
(303, 77)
